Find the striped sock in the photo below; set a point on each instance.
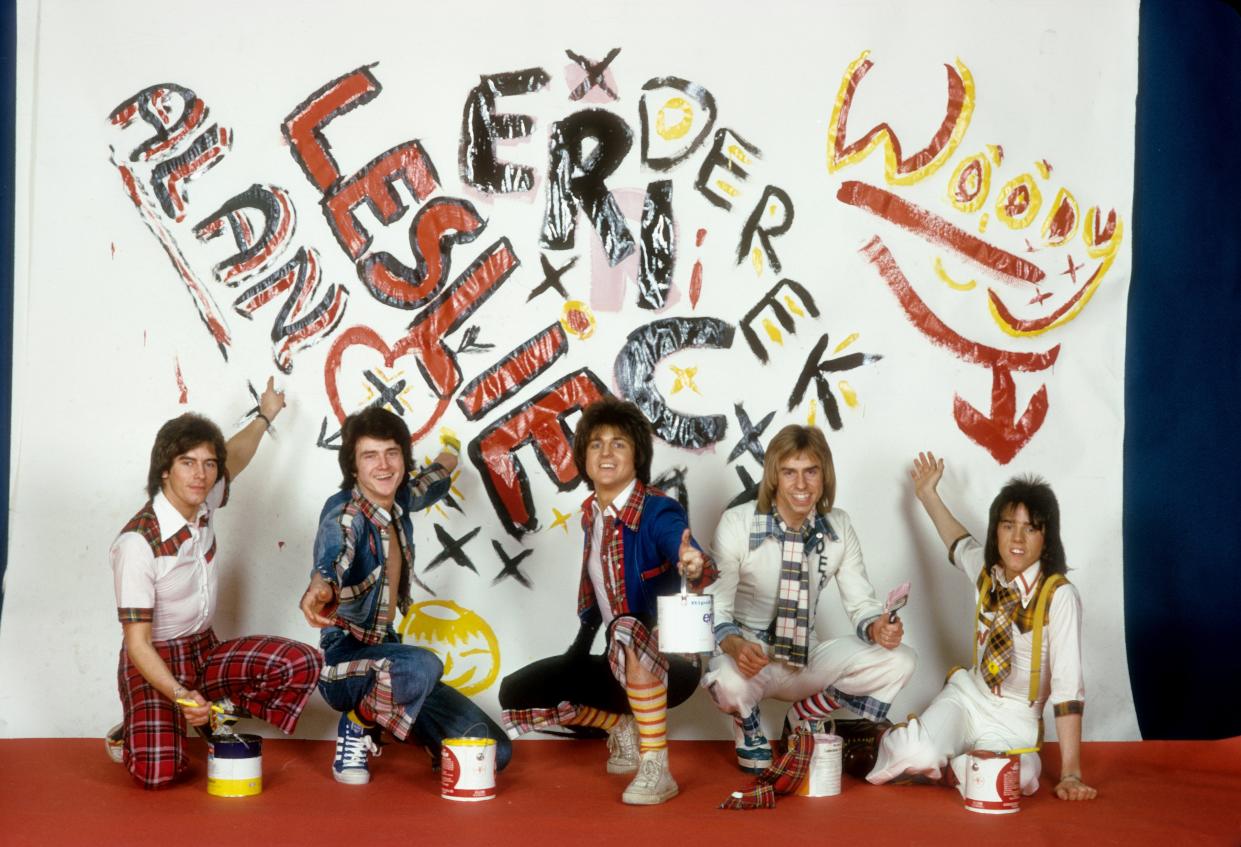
(355, 715)
(816, 707)
(590, 716)
(650, 712)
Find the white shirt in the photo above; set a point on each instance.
(170, 568)
(594, 563)
(746, 590)
(1061, 675)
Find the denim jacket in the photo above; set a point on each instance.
(350, 550)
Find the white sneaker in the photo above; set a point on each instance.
(623, 746)
(654, 783)
(114, 743)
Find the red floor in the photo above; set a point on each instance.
(67, 792)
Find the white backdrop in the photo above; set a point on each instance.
(976, 281)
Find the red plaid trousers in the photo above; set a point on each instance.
(266, 677)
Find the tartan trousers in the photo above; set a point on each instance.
(265, 676)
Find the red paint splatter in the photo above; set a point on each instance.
(184, 399)
(915, 219)
(280, 545)
(1047, 165)
(113, 249)
(695, 285)
(699, 237)
(1039, 298)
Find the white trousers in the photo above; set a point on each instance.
(849, 665)
(963, 717)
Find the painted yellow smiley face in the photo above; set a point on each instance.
(465, 643)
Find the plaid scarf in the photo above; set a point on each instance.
(791, 627)
(783, 777)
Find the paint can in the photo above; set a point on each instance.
(992, 782)
(235, 765)
(823, 774)
(468, 769)
(686, 623)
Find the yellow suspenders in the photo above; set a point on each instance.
(1050, 584)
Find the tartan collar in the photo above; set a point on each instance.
(769, 525)
(630, 514)
(1027, 582)
(375, 513)
(170, 520)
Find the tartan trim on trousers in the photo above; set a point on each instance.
(631, 632)
(378, 699)
(862, 704)
(130, 614)
(1068, 707)
(267, 677)
(518, 722)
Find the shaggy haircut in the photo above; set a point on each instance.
(789, 442)
(177, 437)
(372, 422)
(624, 417)
(1036, 495)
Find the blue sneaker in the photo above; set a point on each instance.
(354, 744)
(753, 749)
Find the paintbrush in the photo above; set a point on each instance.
(897, 598)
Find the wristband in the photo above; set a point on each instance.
(264, 418)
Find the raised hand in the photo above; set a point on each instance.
(690, 561)
(926, 474)
(271, 401)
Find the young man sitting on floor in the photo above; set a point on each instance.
(1028, 619)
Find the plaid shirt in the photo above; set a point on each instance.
(351, 551)
(650, 558)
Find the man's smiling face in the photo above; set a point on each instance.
(380, 469)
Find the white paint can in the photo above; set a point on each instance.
(991, 783)
(686, 623)
(235, 765)
(468, 769)
(823, 774)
